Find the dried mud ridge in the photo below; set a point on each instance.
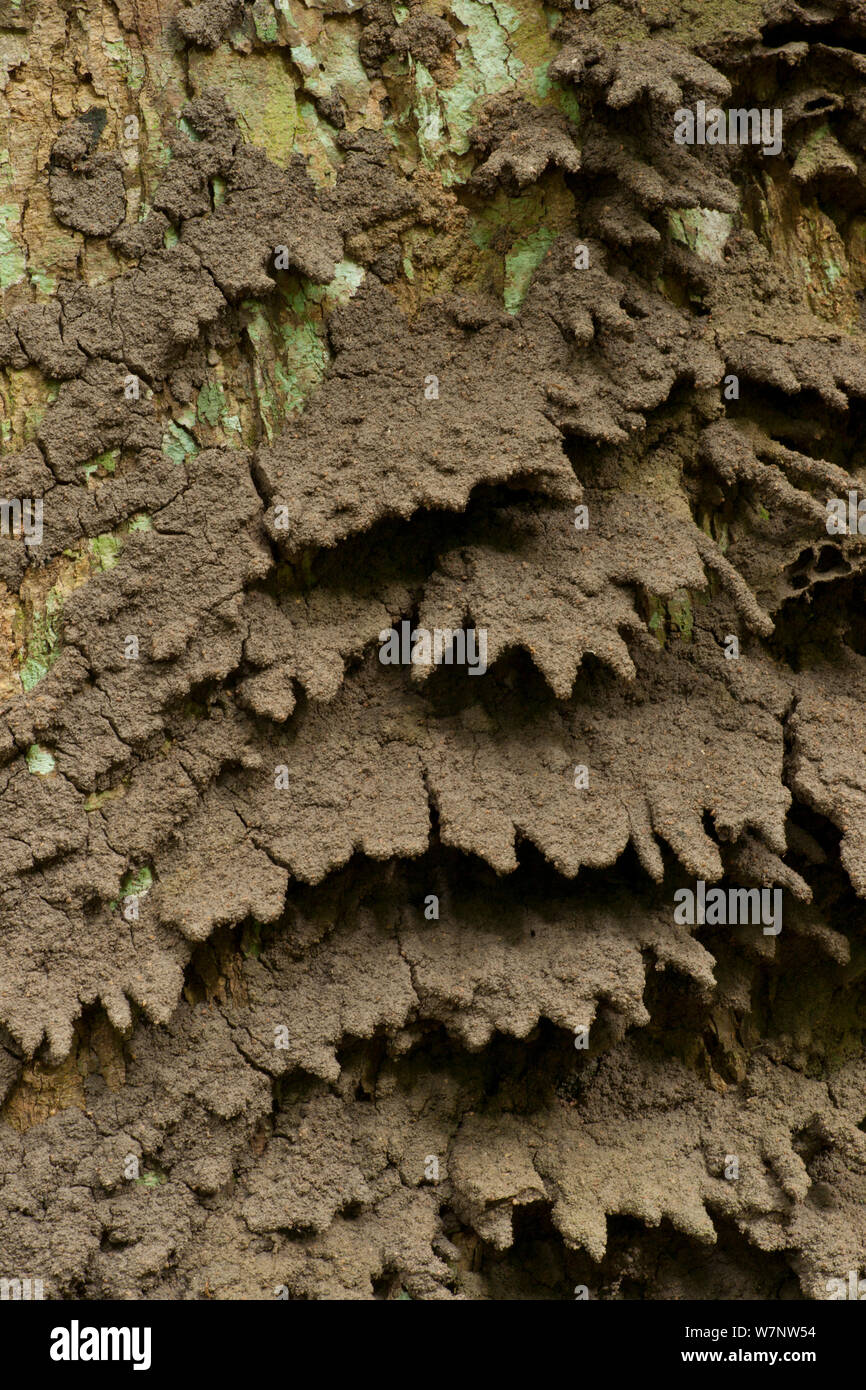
(277, 1074)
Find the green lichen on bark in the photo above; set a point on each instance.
(319, 320)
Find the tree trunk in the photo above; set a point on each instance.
(433, 735)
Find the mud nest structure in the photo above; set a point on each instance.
(330, 977)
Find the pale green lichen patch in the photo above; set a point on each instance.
(316, 141)
(545, 91)
(128, 65)
(39, 761)
(489, 25)
(702, 230)
(154, 152)
(348, 278)
(210, 406)
(265, 21)
(333, 62)
(833, 273)
(288, 334)
(522, 261)
(36, 623)
(137, 882)
(177, 443)
(42, 644)
(152, 1178)
(24, 397)
(513, 235)
(216, 418)
(105, 550)
(13, 261)
(291, 358)
(501, 47)
(101, 466)
(43, 283)
(257, 87)
(184, 125)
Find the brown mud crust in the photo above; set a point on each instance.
(327, 978)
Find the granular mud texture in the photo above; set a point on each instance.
(324, 976)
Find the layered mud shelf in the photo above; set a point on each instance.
(431, 555)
